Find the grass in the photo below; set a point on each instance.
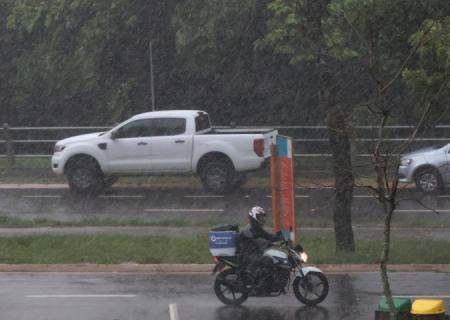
(403, 251)
(111, 249)
(319, 222)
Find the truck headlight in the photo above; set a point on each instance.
(59, 147)
(405, 162)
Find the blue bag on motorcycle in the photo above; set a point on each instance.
(222, 240)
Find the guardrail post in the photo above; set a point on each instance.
(9, 146)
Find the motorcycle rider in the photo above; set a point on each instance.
(253, 240)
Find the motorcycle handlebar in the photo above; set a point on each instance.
(289, 244)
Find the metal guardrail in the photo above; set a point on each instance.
(9, 142)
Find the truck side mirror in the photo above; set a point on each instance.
(113, 135)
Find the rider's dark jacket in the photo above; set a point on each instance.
(253, 240)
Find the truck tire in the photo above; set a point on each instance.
(216, 177)
(238, 180)
(429, 180)
(85, 178)
(110, 180)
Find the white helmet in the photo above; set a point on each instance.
(258, 214)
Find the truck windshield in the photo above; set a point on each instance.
(202, 122)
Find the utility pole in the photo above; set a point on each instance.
(152, 86)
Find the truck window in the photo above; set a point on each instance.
(202, 122)
(134, 129)
(168, 126)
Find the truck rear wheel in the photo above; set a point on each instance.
(238, 180)
(85, 178)
(216, 177)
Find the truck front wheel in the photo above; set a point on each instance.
(85, 179)
(216, 177)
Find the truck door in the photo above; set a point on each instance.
(130, 147)
(171, 145)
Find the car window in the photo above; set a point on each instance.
(152, 128)
(202, 122)
(168, 126)
(134, 129)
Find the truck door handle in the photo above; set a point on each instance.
(179, 141)
(142, 143)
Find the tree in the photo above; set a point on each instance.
(78, 56)
(389, 54)
(307, 32)
(374, 35)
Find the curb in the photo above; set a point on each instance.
(205, 268)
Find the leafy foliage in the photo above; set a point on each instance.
(429, 78)
(87, 62)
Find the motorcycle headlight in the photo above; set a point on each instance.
(304, 256)
(59, 147)
(405, 162)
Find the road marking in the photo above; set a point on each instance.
(184, 210)
(42, 196)
(120, 197)
(69, 296)
(422, 210)
(203, 196)
(364, 196)
(448, 196)
(173, 311)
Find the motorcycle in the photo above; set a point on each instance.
(233, 284)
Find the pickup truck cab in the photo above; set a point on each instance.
(163, 142)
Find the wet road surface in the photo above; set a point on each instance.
(147, 296)
(152, 204)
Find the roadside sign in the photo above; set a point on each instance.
(283, 189)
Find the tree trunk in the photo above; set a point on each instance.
(343, 176)
(329, 85)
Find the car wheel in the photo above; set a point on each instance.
(216, 177)
(110, 180)
(429, 181)
(85, 180)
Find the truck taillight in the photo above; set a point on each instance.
(258, 147)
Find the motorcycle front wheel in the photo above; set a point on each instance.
(311, 289)
(225, 291)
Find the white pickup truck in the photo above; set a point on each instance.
(163, 142)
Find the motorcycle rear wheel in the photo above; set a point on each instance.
(311, 289)
(227, 295)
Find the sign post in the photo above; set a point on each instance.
(283, 189)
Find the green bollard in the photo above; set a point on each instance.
(402, 307)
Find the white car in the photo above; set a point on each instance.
(429, 168)
(178, 141)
